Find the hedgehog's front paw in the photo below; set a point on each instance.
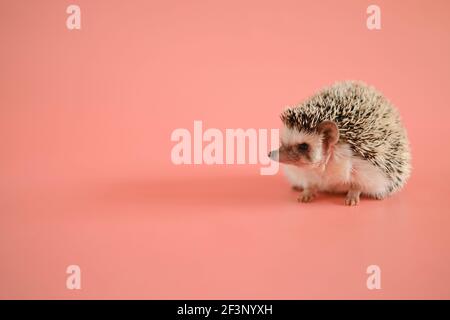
(307, 196)
(352, 198)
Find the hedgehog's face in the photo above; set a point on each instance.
(306, 149)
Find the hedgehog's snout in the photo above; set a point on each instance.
(274, 155)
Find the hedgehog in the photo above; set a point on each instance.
(347, 138)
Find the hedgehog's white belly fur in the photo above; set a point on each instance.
(342, 170)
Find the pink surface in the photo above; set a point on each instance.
(85, 170)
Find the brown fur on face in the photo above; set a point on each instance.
(294, 154)
(306, 148)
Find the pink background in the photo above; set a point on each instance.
(85, 170)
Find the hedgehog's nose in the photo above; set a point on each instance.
(274, 155)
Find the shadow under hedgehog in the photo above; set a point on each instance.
(347, 138)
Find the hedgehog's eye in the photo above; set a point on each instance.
(302, 147)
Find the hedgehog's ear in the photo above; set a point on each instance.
(330, 133)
